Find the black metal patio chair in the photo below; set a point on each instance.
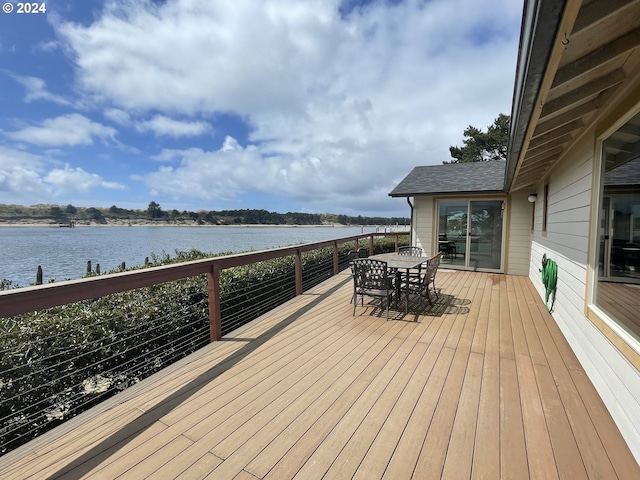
(371, 278)
(413, 251)
(432, 266)
(448, 249)
(425, 281)
(413, 276)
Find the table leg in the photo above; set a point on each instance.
(406, 306)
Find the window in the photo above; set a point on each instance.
(533, 216)
(545, 207)
(617, 289)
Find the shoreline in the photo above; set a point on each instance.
(178, 225)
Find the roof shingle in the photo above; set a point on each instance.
(475, 177)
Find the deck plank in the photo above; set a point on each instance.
(540, 454)
(481, 385)
(486, 456)
(561, 360)
(459, 458)
(514, 464)
(429, 376)
(316, 422)
(570, 464)
(436, 444)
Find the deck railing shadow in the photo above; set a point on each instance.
(118, 440)
(212, 317)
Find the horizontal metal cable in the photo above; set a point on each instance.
(134, 346)
(117, 353)
(126, 334)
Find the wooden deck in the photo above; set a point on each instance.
(482, 385)
(622, 300)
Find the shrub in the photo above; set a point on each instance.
(59, 362)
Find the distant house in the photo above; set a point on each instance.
(570, 189)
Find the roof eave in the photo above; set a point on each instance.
(460, 192)
(540, 23)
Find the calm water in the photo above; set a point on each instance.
(63, 252)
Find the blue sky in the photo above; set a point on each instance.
(287, 105)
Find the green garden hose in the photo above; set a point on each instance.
(549, 280)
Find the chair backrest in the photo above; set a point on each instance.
(413, 251)
(363, 252)
(432, 265)
(370, 274)
(447, 247)
(352, 255)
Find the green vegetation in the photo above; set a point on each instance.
(56, 214)
(59, 362)
(482, 146)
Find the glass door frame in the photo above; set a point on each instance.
(467, 253)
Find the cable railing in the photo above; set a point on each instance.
(67, 346)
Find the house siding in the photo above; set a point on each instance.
(566, 242)
(423, 224)
(519, 231)
(519, 235)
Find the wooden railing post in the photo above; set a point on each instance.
(336, 265)
(298, 272)
(371, 249)
(215, 318)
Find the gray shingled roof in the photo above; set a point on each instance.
(475, 177)
(627, 174)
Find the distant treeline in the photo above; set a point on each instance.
(154, 213)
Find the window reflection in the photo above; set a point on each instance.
(452, 231)
(618, 287)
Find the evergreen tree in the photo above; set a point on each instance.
(482, 146)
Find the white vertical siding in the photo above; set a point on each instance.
(518, 249)
(566, 242)
(423, 224)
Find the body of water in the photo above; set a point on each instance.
(63, 252)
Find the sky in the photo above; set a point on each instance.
(316, 106)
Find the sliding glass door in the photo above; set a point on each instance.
(485, 234)
(470, 233)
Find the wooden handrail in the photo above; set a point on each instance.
(38, 297)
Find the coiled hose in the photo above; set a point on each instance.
(549, 280)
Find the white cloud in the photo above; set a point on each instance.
(118, 116)
(37, 90)
(48, 46)
(20, 173)
(164, 126)
(337, 180)
(341, 107)
(70, 129)
(67, 179)
(27, 178)
(160, 125)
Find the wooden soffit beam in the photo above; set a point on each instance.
(545, 147)
(556, 133)
(529, 179)
(543, 155)
(582, 93)
(597, 57)
(565, 118)
(596, 11)
(542, 163)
